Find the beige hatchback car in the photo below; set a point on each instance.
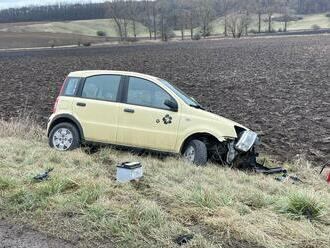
(136, 110)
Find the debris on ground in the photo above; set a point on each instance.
(286, 177)
(267, 171)
(184, 239)
(43, 176)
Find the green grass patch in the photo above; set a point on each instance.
(302, 204)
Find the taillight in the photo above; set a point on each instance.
(58, 97)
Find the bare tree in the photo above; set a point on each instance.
(238, 22)
(206, 14)
(184, 15)
(147, 16)
(224, 8)
(190, 14)
(167, 18)
(270, 8)
(286, 13)
(133, 12)
(260, 10)
(116, 10)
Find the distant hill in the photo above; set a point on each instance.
(90, 27)
(306, 23)
(83, 27)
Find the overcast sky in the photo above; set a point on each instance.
(19, 3)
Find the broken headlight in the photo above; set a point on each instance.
(246, 141)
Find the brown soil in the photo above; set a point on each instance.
(12, 236)
(9, 40)
(279, 86)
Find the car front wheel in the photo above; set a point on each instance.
(195, 152)
(64, 137)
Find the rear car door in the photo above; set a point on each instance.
(144, 120)
(97, 107)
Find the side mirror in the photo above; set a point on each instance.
(172, 105)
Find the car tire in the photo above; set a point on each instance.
(195, 152)
(64, 137)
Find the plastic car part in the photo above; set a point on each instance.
(184, 239)
(43, 176)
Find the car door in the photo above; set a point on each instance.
(144, 120)
(97, 108)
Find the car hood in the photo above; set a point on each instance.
(221, 123)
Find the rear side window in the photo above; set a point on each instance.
(145, 93)
(102, 87)
(71, 86)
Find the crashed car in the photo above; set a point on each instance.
(141, 111)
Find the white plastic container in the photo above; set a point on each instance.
(129, 171)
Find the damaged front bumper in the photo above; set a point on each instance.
(242, 154)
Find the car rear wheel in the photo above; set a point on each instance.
(195, 152)
(64, 137)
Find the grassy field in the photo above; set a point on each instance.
(222, 207)
(306, 23)
(90, 27)
(83, 27)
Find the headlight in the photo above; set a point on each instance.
(246, 141)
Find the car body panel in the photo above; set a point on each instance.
(148, 128)
(99, 119)
(107, 122)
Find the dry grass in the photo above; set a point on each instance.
(21, 127)
(220, 206)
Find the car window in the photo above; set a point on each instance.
(71, 86)
(103, 87)
(187, 99)
(145, 93)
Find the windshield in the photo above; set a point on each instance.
(187, 99)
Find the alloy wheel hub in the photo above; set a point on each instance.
(62, 139)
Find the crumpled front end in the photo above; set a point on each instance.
(244, 144)
(242, 154)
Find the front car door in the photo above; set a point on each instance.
(97, 107)
(144, 120)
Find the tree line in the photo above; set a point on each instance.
(161, 17)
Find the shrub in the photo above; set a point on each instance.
(316, 27)
(328, 15)
(253, 31)
(101, 33)
(87, 44)
(207, 33)
(197, 36)
(300, 204)
(170, 34)
(132, 39)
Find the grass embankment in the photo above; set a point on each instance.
(222, 207)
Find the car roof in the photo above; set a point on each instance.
(90, 73)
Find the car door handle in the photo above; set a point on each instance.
(127, 110)
(81, 104)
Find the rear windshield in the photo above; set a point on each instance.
(71, 86)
